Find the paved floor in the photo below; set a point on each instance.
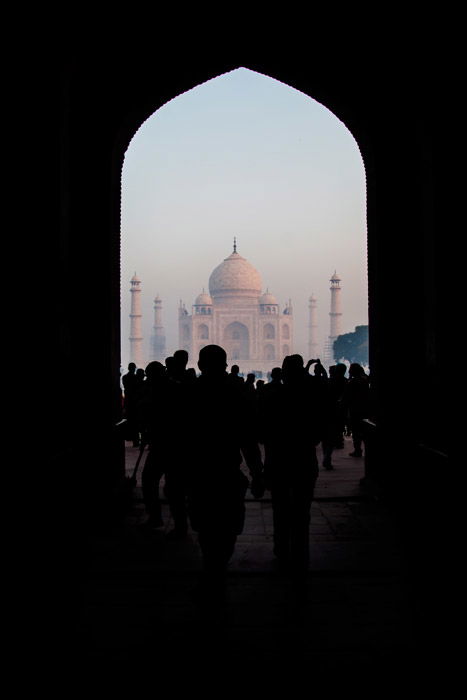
(358, 615)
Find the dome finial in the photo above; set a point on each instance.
(235, 244)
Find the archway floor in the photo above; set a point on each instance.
(354, 616)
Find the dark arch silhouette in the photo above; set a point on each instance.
(104, 98)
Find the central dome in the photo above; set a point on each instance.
(235, 277)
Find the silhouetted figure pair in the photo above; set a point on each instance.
(291, 426)
(222, 428)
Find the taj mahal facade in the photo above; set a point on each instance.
(255, 331)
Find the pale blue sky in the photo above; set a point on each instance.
(247, 156)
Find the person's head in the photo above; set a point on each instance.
(250, 378)
(212, 360)
(180, 360)
(340, 369)
(169, 363)
(356, 370)
(154, 371)
(140, 373)
(292, 368)
(235, 369)
(132, 368)
(276, 374)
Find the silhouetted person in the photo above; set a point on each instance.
(276, 375)
(130, 388)
(260, 386)
(291, 427)
(234, 375)
(338, 382)
(191, 374)
(156, 418)
(250, 383)
(335, 414)
(222, 429)
(178, 365)
(169, 366)
(178, 457)
(356, 400)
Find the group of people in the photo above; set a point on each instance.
(200, 429)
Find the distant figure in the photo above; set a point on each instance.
(333, 436)
(178, 458)
(234, 375)
(191, 374)
(356, 401)
(178, 365)
(338, 382)
(291, 427)
(260, 386)
(250, 383)
(156, 409)
(222, 429)
(169, 365)
(276, 375)
(130, 388)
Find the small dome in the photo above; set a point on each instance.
(135, 278)
(335, 277)
(267, 298)
(203, 299)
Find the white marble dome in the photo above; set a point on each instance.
(203, 299)
(267, 298)
(235, 276)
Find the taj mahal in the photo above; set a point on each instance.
(255, 331)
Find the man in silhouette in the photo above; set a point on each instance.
(130, 388)
(178, 456)
(356, 399)
(222, 427)
(155, 411)
(291, 426)
(335, 418)
(338, 382)
(234, 375)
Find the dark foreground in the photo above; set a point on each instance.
(357, 614)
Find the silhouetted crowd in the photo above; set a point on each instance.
(200, 429)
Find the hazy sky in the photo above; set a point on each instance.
(247, 156)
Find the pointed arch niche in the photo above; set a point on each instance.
(244, 155)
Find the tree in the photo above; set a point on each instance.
(352, 347)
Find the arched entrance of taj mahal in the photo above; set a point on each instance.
(236, 341)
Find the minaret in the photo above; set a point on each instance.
(136, 335)
(335, 313)
(312, 329)
(158, 335)
(335, 316)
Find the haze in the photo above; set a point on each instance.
(247, 156)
